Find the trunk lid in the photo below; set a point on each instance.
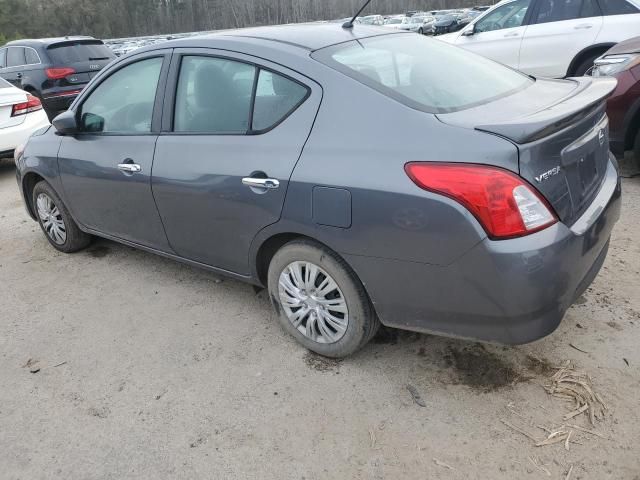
(9, 96)
(86, 57)
(561, 131)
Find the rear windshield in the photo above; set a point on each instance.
(67, 53)
(4, 83)
(423, 73)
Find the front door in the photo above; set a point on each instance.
(222, 166)
(106, 168)
(498, 35)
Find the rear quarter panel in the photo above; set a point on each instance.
(360, 142)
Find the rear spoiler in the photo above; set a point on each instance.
(583, 101)
(79, 41)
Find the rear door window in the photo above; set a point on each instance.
(559, 10)
(216, 96)
(3, 57)
(15, 57)
(213, 95)
(618, 7)
(68, 53)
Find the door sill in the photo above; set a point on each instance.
(172, 256)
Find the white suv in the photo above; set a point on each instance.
(550, 38)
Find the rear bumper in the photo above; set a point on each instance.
(511, 291)
(55, 101)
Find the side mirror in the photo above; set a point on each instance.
(469, 31)
(66, 123)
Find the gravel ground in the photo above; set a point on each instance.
(146, 368)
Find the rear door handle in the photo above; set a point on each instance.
(513, 34)
(583, 26)
(129, 167)
(268, 183)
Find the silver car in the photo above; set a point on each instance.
(337, 168)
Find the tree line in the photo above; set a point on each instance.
(128, 18)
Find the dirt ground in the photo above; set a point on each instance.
(118, 364)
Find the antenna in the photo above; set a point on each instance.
(349, 24)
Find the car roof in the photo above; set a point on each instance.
(33, 42)
(307, 36)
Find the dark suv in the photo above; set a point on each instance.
(53, 69)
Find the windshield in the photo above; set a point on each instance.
(409, 69)
(393, 21)
(417, 19)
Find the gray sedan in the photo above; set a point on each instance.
(296, 158)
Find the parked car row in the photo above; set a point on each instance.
(435, 22)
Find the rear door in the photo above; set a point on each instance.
(621, 20)
(106, 168)
(559, 30)
(85, 57)
(227, 150)
(498, 35)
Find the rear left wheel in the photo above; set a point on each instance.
(56, 222)
(319, 299)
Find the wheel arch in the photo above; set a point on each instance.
(632, 125)
(582, 55)
(29, 181)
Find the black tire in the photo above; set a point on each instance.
(75, 239)
(421, 31)
(362, 321)
(583, 67)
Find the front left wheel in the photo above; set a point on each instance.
(319, 299)
(56, 222)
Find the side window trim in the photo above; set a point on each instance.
(166, 55)
(172, 88)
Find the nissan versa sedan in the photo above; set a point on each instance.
(294, 158)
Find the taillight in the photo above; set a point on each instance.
(31, 105)
(505, 205)
(58, 73)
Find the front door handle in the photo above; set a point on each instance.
(512, 34)
(268, 183)
(129, 167)
(583, 26)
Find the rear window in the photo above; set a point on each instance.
(67, 53)
(425, 74)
